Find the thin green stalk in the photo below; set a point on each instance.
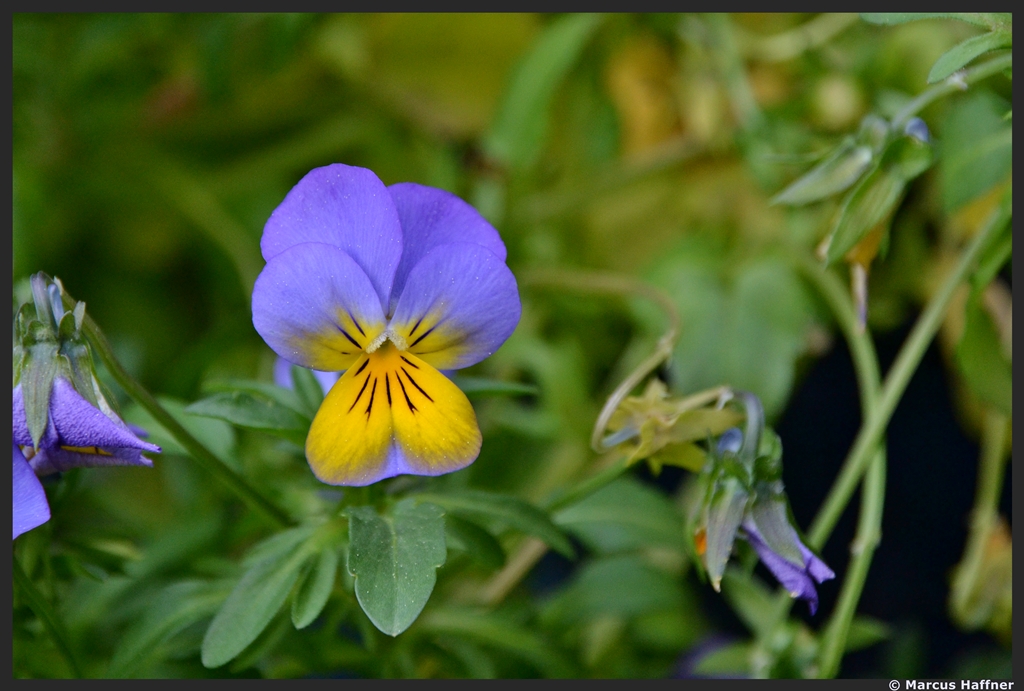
(46, 615)
(984, 514)
(898, 377)
(951, 85)
(869, 524)
(203, 456)
(586, 487)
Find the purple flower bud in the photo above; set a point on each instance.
(77, 435)
(916, 128)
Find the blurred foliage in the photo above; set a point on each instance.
(149, 149)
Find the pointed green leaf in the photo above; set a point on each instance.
(732, 660)
(837, 172)
(285, 397)
(865, 206)
(315, 588)
(308, 389)
(520, 127)
(37, 376)
(724, 513)
(251, 606)
(394, 558)
(625, 515)
(479, 387)
(621, 585)
(513, 512)
(254, 411)
(962, 53)
(477, 542)
(173, 609)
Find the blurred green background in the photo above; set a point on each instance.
(150, 149)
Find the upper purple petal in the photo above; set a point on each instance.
(432, 217)
(316, 307)
(30, 506)
(347, 207)
(459, 304)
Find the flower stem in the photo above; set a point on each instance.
(869, 525)
(896, 380)
(984, 514)
(203, 456)
(951, 85)
(46, 614)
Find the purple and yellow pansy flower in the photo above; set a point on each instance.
(391, 285)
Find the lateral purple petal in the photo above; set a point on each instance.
(432, 217)
(792, 577)
(31, 509)
(347, 207)
(316, 307)
(458, 306)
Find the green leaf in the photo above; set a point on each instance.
(253, 411)
(513, 512)
(985, 19)
(977, 149)
(625, 515)
(837, 172)
(479, 387)
(866, 205)
(488, 629)
(37, 374)
(474, 540)
(962, 53)
(172, 610)
(308, 389)
(252, 604)
(394, 559)
(285, 397)
(621, 585)
(980, 356)
(315, 588)
(864, 632)
(520, 127)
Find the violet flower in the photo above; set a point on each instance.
(31, 509)
(391, 285)
(77, 435)
(798, 573)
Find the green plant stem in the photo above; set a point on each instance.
(588, 486)
(951, 85)
(984, 514)
(203, 456)
(897, 379)
(869, 524)
(46, 614)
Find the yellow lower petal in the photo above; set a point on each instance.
(389, 414)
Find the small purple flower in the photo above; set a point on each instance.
(77, 435)
(31, 509)
(391, 285)
(798, 577)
